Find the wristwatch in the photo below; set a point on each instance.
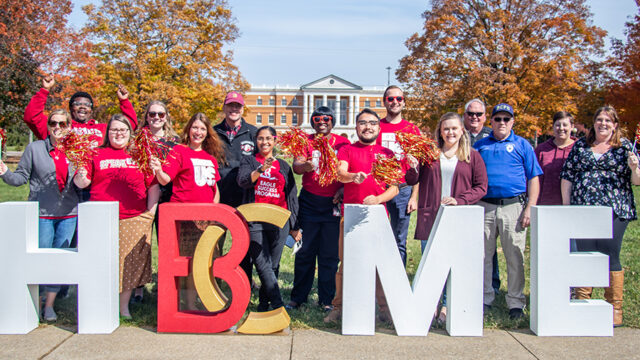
(260, 170)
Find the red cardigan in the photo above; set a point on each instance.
(468, 186)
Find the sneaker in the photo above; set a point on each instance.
(49, 314)
(516, 313)
(292, 305)
(326, 308)
(334, 316)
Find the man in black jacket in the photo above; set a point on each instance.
(239, 139)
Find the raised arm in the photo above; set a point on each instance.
(126, 107)
(34, 115)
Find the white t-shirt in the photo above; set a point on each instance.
(447, 168)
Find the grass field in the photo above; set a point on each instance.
(310, 315)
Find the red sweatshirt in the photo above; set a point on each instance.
(36, 120)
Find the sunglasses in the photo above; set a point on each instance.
(153, 114)
(502, 119)
(476, 114)
(397, 98)
(85, 104)
(321, 118)
(55, 124)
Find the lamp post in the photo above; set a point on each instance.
(388, 75)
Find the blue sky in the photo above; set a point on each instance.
(287, 42)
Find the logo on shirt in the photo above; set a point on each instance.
(204, 173)
(247, 147)
(315, 161)
(117, 164)
(509, 147)
(389, 141)
(267, 174)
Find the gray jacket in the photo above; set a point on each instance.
(36, 166)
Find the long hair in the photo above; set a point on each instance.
(211, 144)
(618, 133)
(169, 132)
(464, 144)
(120, 118)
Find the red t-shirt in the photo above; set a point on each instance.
(308, 182)
(269, 188)
(194, 175)
(115, 177)
(360, 157)
(387, 138)
(62, 167)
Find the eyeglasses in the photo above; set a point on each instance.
(78, 104)
(153, 114)
(476, 114)
(397, 98)
(501, 119)
(370, 122)
(323, 118)
(55, 124)
(119, 131)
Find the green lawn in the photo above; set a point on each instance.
(310, 315)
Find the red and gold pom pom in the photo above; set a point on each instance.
(387, 170)
(143, 148)
(638, 132)
(328, 163)
(3, 136)
(421, 147)
(78, 148)
(294, 142)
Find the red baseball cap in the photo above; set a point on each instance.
(234, 97)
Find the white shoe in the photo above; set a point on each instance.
(49, 314)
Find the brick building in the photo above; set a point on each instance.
(282, 107)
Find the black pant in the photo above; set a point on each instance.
(606, 246)
(265, 249)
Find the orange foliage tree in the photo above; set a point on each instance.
(624, 90)
(532, 54)
(169, 50)
(35, 38)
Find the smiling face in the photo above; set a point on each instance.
(265, 141)
(119, 134)
(57, 127)
(156, 117)
(394, 107)
(474, 117)
(367, 128)
(322, 124)
(502, 128)
(81, 109)
(604, 127)
(197, 134)
(451, 131)
(562, 129)
(233, 113)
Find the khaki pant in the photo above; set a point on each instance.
(504, 221)
(337, 300)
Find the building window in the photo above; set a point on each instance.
(378, 103)
(271, 119)
(343, 119)
(367, 103)
(259, 101)
(272, 101)
(259, 119)
(283, 102)
(332, 105)
(283, 119)
(294, 119)
(318, 103)
(294, 102)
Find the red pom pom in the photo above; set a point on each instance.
(78, 148)
(143, 148)
(328, 162)
(294, 142)
(387, 170)
(421, 147)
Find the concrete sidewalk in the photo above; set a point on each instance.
(51, 342)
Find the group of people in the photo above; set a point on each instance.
(234, 163)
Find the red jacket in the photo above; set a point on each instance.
(468, 186)
(36, 120)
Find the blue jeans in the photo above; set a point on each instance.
(57, 234)
(399, 218)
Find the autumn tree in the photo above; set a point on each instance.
(624, 89)
(34, 38)
(532, 54)
(169, 50)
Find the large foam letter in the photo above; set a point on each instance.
(454, 252)
(554, 270)
(93, 266)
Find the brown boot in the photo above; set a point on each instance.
(583, 293)
(334, 316)
(613, 295)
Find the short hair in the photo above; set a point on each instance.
(391, 87)
(367, 111)
(325, 110)
(65, 113)
(466, 106)
(562, 115)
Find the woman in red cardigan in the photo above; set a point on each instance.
(458, 177)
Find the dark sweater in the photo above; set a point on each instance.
(468, 186)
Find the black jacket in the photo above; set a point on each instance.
(250, 163)
(243, 144)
